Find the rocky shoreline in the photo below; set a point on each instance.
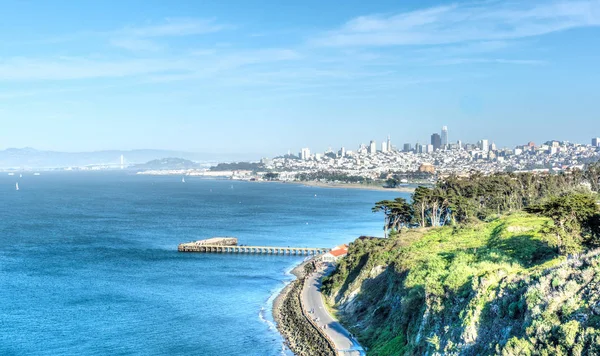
(300, 335)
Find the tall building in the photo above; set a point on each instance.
(445, 136)
(305, 154)
(436, 141)
(596, 142)
(484, 145)
(384, 147)
(342, 152)
(493, 146)
(459, 144)
(389, 144)
(407, 147)
(372, 147)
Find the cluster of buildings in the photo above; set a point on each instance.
(439, 156)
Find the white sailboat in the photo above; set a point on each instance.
(11, 174)
(17, 186)
(182, 179)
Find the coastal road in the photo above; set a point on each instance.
(312, 300)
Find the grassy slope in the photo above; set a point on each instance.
(462, 291)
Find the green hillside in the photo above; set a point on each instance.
(496, 287)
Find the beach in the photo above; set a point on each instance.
(403, 189)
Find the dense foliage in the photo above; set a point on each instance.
(237, 166)
(494, 287)
(478, 266)
(332, 177)
(567, 198)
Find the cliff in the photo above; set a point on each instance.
(490, 288)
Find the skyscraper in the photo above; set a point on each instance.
(389, 144)
(372, 147)
(596, 142)
(484, 145)
(305, 154)
(445, 136)
(436, 141)
(407, 147)
(384, 147)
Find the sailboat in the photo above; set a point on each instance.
(17, 186)
(182, 179)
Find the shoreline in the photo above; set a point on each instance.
(403, 189)
(281, 313)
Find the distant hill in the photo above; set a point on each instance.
(31, 158)
(167, 164)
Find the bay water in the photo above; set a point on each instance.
(89, 262)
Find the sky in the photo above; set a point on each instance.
(263, 77)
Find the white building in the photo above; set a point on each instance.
(384, 147)
(305, 154)
(372, 147)
(335, 254)
(484, 145)
(444, 136)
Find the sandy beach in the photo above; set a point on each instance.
(403, 189)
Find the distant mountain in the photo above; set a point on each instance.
(168, 164)
(24, 158)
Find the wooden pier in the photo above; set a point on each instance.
(271, 250)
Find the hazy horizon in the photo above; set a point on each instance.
(261, 78)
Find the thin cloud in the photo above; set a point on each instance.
(136, 44)
(490, 21)
(32, 69)
(176, 27)
(456, 61)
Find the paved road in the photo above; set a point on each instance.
(311, 297)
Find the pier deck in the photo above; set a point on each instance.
(273, 250)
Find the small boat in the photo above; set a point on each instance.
(11, 174)
(17, 186)
(20, 176)
(36, 174)
(183, 180)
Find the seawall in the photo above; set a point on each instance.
(301, 335)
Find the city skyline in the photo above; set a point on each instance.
(271, 76)
(437, 141)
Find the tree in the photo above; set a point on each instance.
(592, 175)
(420, 201)
(398, 213)
(271, 176)
(571, 213)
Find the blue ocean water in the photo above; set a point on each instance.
(89, 262)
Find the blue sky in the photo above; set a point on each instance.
(261, 77)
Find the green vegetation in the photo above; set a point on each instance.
(237, 166)
(565, 197)
(271, 176)
(394, 179)
(501, 265)
(332, 177)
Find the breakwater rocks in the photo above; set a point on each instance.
(302, 337)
